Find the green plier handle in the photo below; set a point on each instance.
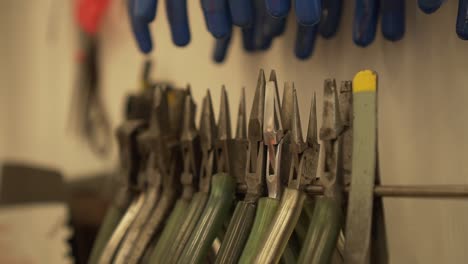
(211, 221)
(114, 214)
(194, 211)
(266, 209)
(323, 232)
(173, 224)
(281, 228)
(237, 233)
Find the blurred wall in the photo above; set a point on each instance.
(422, 98)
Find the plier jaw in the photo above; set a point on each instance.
(190, 145)
(273, 137)
(128, 150)
(207, 139)
(224, 141)
(330, 133)
(255, 162)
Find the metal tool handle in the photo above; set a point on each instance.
(282, 226)
(462, 18)
(113, 216)
(194, 211)
(365, 21)
(211, 221)
(121, 229)
(125, 250)
(393, 19)
(291, 252)
(331, 16)
(173, 224)
(266, 209)
(308, 12)
(237, 233)
(152, 226)
(323, 232)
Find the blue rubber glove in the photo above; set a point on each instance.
(140, 30)
(221, 49)
(331, 16)
(143, 12)
(393, 19)
(429, 6)
(305, 41)
(308, 12)
(278, 8)
(365, 22)
(217, 17)
(462, 19)
(241, 12)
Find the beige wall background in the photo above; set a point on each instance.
(422, 101)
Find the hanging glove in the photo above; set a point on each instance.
(305, 41)
(331, 16)
(429, 6)
(462, 18)
(217, 17)
(393, 19)
(143, 12)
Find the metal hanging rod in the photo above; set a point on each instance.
(408, 191)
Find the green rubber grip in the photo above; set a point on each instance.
(281, 228)
(195, 209)
(323, 232)
(266, 209)
(304, 220)
(291, 252)
(237, 233)
(167, 237)
(111, 220)
(214, 215)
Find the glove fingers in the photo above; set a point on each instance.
(393, 19)
(241, 12)
(145, 10)
(365, 22)
(221, 48)
(261, 37)
(305, 41)
(308, 12)
(429, 6)
(278, 8)
(331, 16)
(140, 30)
(462, 18)
(217, 17)
(178, 21)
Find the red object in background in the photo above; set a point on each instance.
(89, 13)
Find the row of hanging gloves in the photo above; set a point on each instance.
(193, 195)
(263, 20)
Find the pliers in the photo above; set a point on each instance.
(130, 157)
(152, 142)
(327, 219)
(222, 193)
(250, 181)
(190, 146)
(302, 171)
(126, 135)
(168, 164)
